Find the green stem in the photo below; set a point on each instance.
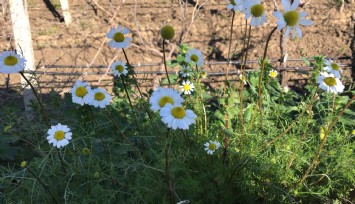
(315, 161)
(230, 43)
(100, 135)
(123, 136)
(259, 103)
(166, 70)
(141, 95)
(125, 88)
(167, 178)
(46, 187)
(61, 161)
(241, 116)
(44, 113)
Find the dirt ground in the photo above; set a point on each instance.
(331, 35)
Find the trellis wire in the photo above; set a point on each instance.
(206, 63)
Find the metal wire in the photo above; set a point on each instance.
(206, 63)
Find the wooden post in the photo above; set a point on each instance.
(66, 13)
(23, 39)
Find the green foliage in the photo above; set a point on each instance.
(262, 158)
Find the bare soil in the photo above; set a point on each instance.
(84, 42)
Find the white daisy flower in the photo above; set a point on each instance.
(329, 83)
(185, 71)
(10, 62)
(163, 96)
(119, 68)
(187, 87)
(98, 98)
(212, 146)
(256, 11)
(79, 92)
(177, 117)
(118, 38)
(291, 18)
(273, 73)
(59, 135)
(194, 56)
(235, 5)
(332, 67)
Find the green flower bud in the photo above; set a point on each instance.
(167, 32)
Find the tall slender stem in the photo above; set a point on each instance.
(166, 70)
(230, 43)
(100, 135)
(46, 187)
(127, 94)
(133, 75)
(315, 161)
(141, 95)
(242, 83)
(167, 178)
(44, 113)
(122, 134)
(259, 103)
(61, 161)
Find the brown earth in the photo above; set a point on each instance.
(331, 35)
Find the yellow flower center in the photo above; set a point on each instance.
(291, 18)
(118, 37)
(335, 66)
(119, 68)
(59, 135)
(81, 91)
(99, 96)
(164, 100)
(186, 71)
(10, 61)
(273, 74)
(194, 58)
(232, 2)
(212, 146)
(178, 112)
(330, 81)
(186, 87)
(257, 10)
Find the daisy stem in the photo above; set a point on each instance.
(166, 70)
(201, 100)
(226, 141)
(123, 136)
(46, 187)
(241, 116)
(61, 161)
(168, 182)
(141, 95)
(314, 97)
(133, 75)
(259, 103)
(230, 44)
(44, 113)
(100, 135)
(333, 105)
(125, 88)
(315, 161)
